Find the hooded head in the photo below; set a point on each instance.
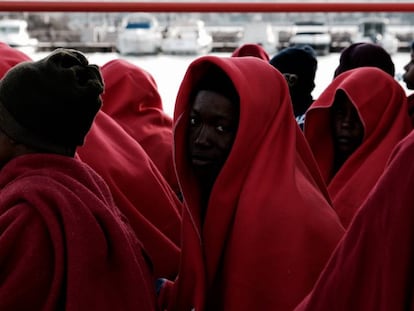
(364, 54)
(50, 104)
(298, 64)
(299, 61)
(251, 49)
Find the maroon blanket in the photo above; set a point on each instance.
(132, 99)
(63, 245)
(371, 269)
(139, 191)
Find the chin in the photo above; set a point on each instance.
(205, 172)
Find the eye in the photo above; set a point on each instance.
(220, 128)
(224, 129)
(340, 111)
(193, 121)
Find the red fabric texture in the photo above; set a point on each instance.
(269, 227)
(10, 57)
(251, 49)
(382, 107)
(63, 243)
(139, 190)
(131, 98)
(372, 267)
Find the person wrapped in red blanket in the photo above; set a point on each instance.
(139, 190)
(258, 226)
(64, 245)
(352, 132)
(132, 99)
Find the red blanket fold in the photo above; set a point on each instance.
(131, 98)
(139, 190)
(372, 267)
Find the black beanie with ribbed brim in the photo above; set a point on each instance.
(300, 60)
(50, 104)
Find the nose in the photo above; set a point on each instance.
(346, 120)
(202, 137)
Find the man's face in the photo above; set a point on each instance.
(348, 130)
(408, 76)
(212, 129)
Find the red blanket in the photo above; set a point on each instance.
(372, 267)
(10, 57)
(269, 228)
(131, 98)
(382, 106)
(63, 245)
(139, 190)
(251, 49)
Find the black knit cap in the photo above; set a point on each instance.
(300, 60)
(50, 104)
(365, 54)
(296, 59)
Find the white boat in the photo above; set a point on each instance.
(261, 33)
(140, 33)
(375, 30)
(14, 33)
(187, 37)
(314, 34)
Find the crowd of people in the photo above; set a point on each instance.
(253, 196)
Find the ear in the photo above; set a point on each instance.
(291, 79)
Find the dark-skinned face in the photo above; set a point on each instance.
(348, 130)
(408, 76)
(212, 129)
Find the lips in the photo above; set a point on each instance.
(199, 160)
(344, 140)
(346, 143)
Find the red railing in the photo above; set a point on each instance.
(210, 7)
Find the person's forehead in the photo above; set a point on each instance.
(213, 102)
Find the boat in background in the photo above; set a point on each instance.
(140, 33)
(261, 33)
(14, 33)
(187, 37)
(375, 30)
(314, 34)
